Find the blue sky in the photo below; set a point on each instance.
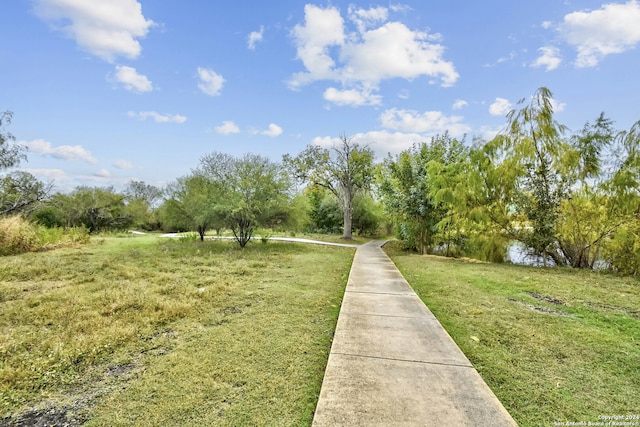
(105, 92)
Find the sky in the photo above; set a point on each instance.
(105, 92)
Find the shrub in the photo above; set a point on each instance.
(17, 235)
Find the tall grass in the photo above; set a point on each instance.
(17, 236)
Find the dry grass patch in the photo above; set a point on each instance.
(144, 330)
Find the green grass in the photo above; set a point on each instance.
(555, 345)
(141, 330)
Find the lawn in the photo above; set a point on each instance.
(555, 345)
(150, 331)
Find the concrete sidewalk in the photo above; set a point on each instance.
(392, 363)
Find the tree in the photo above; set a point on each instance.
(194, 203)
(523, 175)
(257, 192)
(407, 184)
(98, 209)
(344, 170)
(10, 154)
(142, 202)
(21, 192)
(325, 213)
(239, 193)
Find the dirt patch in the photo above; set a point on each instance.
(546, 299)
(58, 416)
(73, 407)
(540, 309)
(117, 370)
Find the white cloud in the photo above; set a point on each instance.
(459, 104)
(430, 122)
(353, 97)
(210, 82)
(131, 80)
(323, 28)
(546, 24)
(159, 118)
(549, 58)
(122, 164)
(61, 152)
(106, 29)
(399, 7)
(227, 127)
(500, 107)
(614, 28)
(377, 50)
(273, 131)
(103, 173)
(557, 106)
(367, 18)
(255, 37)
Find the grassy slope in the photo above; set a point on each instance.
(164, 332)
(554, 345)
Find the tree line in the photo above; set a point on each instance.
(570, 199)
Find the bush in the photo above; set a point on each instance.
(17, 235)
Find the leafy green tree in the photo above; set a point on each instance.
(242, 194)
(258, 195)
(21, 192)
(344, 170)
(193, 203)
(97, 209)
(413, 190)
(142, 201)
(623, 187)
(325, 213)
(523, 175)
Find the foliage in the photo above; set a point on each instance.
(240, 194)
(417, 188)
(194, 203)
(345, 170)
(255, 192)
(21, 192)
(97, 209)
(141, 201)
(18, 235)
(564, 198)
(325, 214)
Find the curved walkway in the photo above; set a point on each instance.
(391, 362)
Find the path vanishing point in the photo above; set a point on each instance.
(393, 364)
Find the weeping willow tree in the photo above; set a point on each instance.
(523, 175)
(571, 201)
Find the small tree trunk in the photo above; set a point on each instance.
(348, 221)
